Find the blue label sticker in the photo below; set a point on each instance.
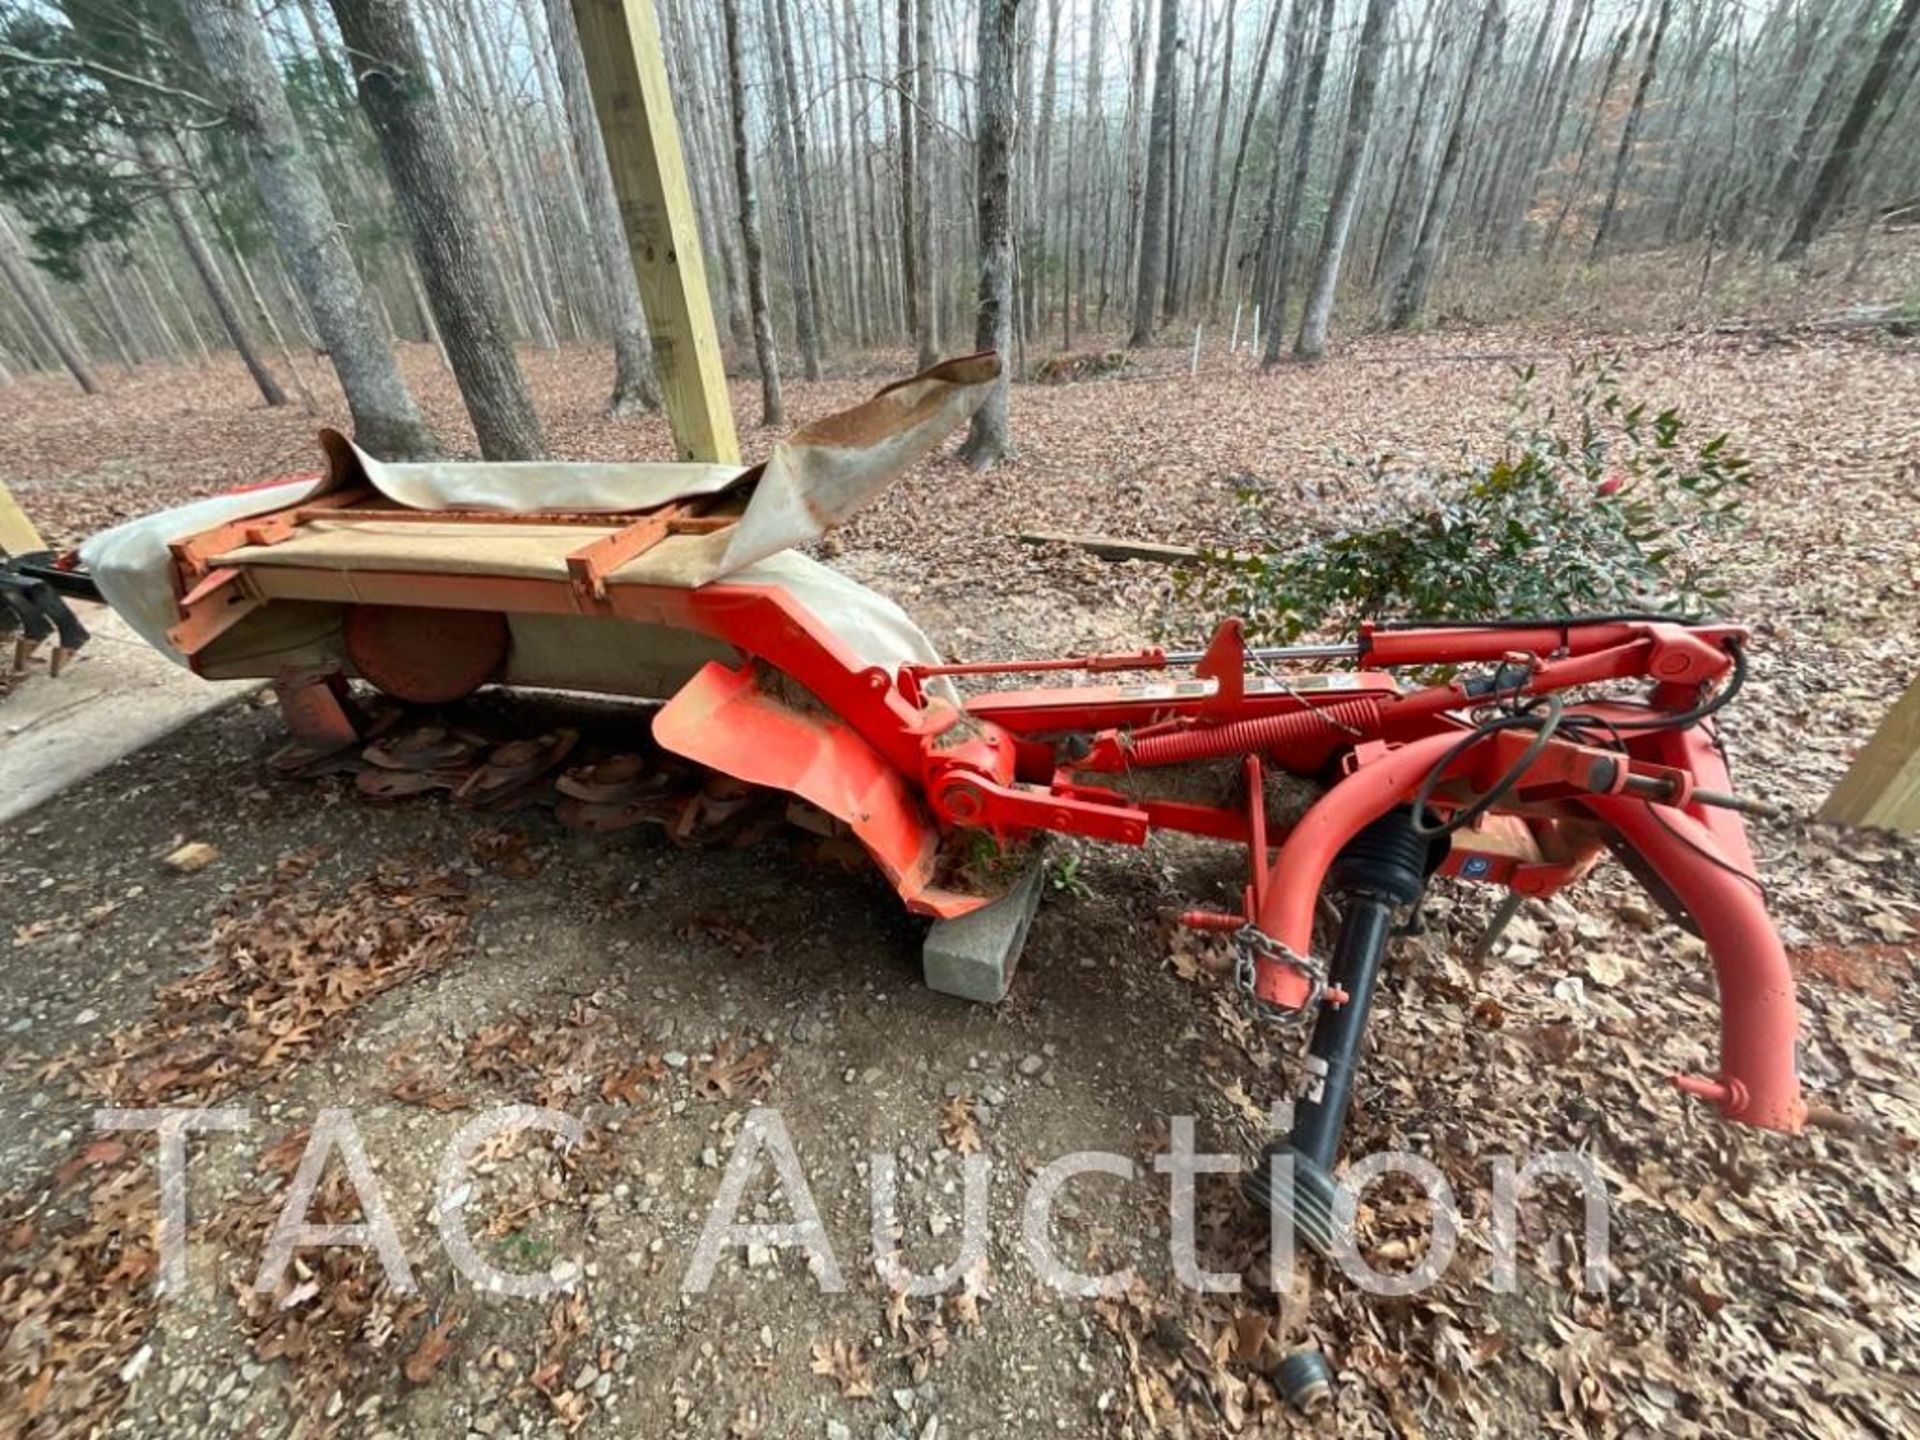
(1475, 866)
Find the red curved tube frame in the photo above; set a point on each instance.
(1298, 871)
(1759, 1017)
(1760, 1021)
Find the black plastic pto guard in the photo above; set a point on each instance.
(1381, 869)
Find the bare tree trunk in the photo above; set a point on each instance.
(386, 420)
(1026, 137)
(423, 312)
(826, 274)
(1559, 90)
(708, 65)
(1176, 172)
(579, 283)
(1040, 155)
(41, 309)
(909, 165)
(462, 62)
(475, 24)
(1515, 139)
(926, 331)
(634, 386)
(400, 102)
(1255, 87)
(987, 440)
(1407, 296)
(187, 318)
(187, 230)
(853, 194)
(16, 345)
(1092, 141)
(1835, 169)
(1067, 228)
(1280, 261)
(1153, 223)
(545, 69)
(787, 143)
(107, 317)
(1311, 343)
(1792, 169)
(1133, 159)
(127, 95)
(480, 161)
(1623, 158)
(771, 411)
(1407, 203)
(169, 335)
(1205, 265)
(1621, 43)
(264, 315)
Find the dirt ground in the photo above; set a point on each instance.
(417, 964)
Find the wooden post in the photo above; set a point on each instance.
(627, 72)
(1883, 786)
(17, 535)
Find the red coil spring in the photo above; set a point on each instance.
(1257, 736)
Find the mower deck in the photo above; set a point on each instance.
(1520, 770)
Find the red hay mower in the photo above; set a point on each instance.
(1551, 742)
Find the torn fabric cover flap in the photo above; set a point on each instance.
(521, 486)
(824, 472)
(817, 478)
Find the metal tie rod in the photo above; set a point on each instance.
(1348, 651)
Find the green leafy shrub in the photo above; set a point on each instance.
(1596, 505)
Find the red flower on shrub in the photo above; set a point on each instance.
(1611, 485)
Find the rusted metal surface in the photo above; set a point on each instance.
(591, 564)
(319, 710)
(220, 601)
(424, 655)
(512, 770)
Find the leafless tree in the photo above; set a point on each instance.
(1157, 201)
(1151, 176)
(442, 222)
(386, 419)
(987, 440)
(772, 412)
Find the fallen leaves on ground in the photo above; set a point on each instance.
(846, 1365)
(289, 963)
(286, 969)
(432, 1351)
(960, 1124)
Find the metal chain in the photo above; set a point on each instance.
(1251, 945)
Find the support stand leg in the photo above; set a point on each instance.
(1384, 867)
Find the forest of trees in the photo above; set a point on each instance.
(298, 177)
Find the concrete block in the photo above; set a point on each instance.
(974, 956)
